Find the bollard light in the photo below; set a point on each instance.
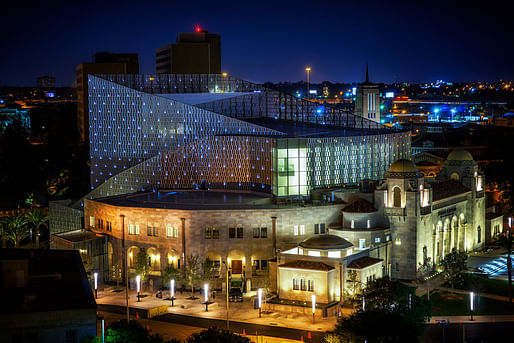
(95, 275)
(259, 297)
(172, 291)
(103, 330)
(410, 301)
(206, 296)
(138, 286)
(363, 304)
(471, 304)
(313, 306)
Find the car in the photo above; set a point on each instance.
(235, 294)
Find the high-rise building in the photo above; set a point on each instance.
(367, 102)
(193, 53)
(103, 63)
(46, 81)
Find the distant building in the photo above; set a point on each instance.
(103, 63)
(193, 53)
(46, 81)
(46, 297)
(367, 102)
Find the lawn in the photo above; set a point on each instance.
(481, 284)
(450, 304)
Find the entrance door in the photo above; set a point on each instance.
(237, 267)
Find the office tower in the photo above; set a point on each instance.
(367, 102)
(46, 81)
(193, 53)
(103, 63)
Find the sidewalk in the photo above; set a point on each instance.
(476, 319)
(241, 312)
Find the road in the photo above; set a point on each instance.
(470, 333)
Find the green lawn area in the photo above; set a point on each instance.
(450, 304)
(483, 285)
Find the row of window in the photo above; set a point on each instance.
(100, 224)
(235, 232)
(303, 285)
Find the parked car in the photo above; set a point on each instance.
(235, 294)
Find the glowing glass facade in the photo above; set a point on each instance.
(209, 131)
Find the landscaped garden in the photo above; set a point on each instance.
(452, 304)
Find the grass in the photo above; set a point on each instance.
(450, 304)
(482, 284)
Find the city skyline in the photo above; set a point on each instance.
(268, 41)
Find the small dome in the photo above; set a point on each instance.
(460, 155)
(403, 166)
(325, 242)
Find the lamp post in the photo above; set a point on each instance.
(259, 297)
(313, 307)
(95, 275)
(206, 296)
(308, 70)
(363, 304)
(172, 291)
(103, 330)
(471, 304)
(138, 285)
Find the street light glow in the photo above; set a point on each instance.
(206, 289)
(259, 296)
(138, 283)
(172, 288)
(96, 280)
(471, 300)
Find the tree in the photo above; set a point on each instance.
(116, 273)
(16, 229)
(208, 270)
(214, 335)
(170, 272)
(354, 285)
(192, 273)
(37, 218)
(506, 241)
(123, 332)
(454, 264)
(141, 265)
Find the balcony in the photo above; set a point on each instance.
(395, 211)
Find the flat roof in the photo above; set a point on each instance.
(200, 200)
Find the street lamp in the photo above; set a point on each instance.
(172, 291)
(308, 70)
(138, 285)
(363, 304)
(471, 304)
(95, 275)
(313, 307)
(206, 296)
(259, 297)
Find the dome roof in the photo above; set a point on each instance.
(325, 242)
(403, 166)
(460, 155)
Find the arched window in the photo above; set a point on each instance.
(479, 232)
(397, 197)
(425, 257)
(454, 176)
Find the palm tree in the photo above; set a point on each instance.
(38, 218)
(16, 229)
(507, 241)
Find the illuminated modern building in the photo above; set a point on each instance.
(367, 102)
(196, 52)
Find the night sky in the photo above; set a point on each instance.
(268, 40)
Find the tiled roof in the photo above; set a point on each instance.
(312, 265)
(360, 206)
(446, 189)
(364, 262)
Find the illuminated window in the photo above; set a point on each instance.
(131, 230)
(303, 285)
(349, 251)
(311, 285)
(137, 229)
(207, 234)
(398, 241)
(296, 285)
(302, 230)
(92, 221)
(334, 254)
(362, 243)
(295, 230)
(314, 253)
(377, 239)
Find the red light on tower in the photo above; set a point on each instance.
(198, 29)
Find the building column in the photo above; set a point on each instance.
(450, 239)
(434, 247)
(183, 234)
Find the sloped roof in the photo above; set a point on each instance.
(364, 262)
(325, 242)
(312, 265)
(360, 206)
(447, 188)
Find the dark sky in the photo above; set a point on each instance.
(414, 41)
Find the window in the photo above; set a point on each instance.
(239, 232)
(231, 232)
(322, 228)
(149, 231)
(215, 233)
(109, 226)
(398, 241)
(100, 223)
(131, 230)
(302, 230)
(334, 254)
(425, 256)
(296, 232)
(264, 264)
(207, 233)
(349, 251)
(303, 285)
(314, 253)
(295, 285)
(377, 239)
(91, 221)
(311, 286)
(137, 229)
(352, 224)
(152, 230)
(264, 232)
(316, 229)
(388, 238)
(171, 231)
(479, 232)
(397, 197)
(362, 243)
(397, 267)
(155, 231)
(369, 223)
(256, 232)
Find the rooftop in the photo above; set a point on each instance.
(325, 242)
(360, 206)
(447, 188)
(311, 265)
(364, 262)
(43, 280)
(78, 236)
